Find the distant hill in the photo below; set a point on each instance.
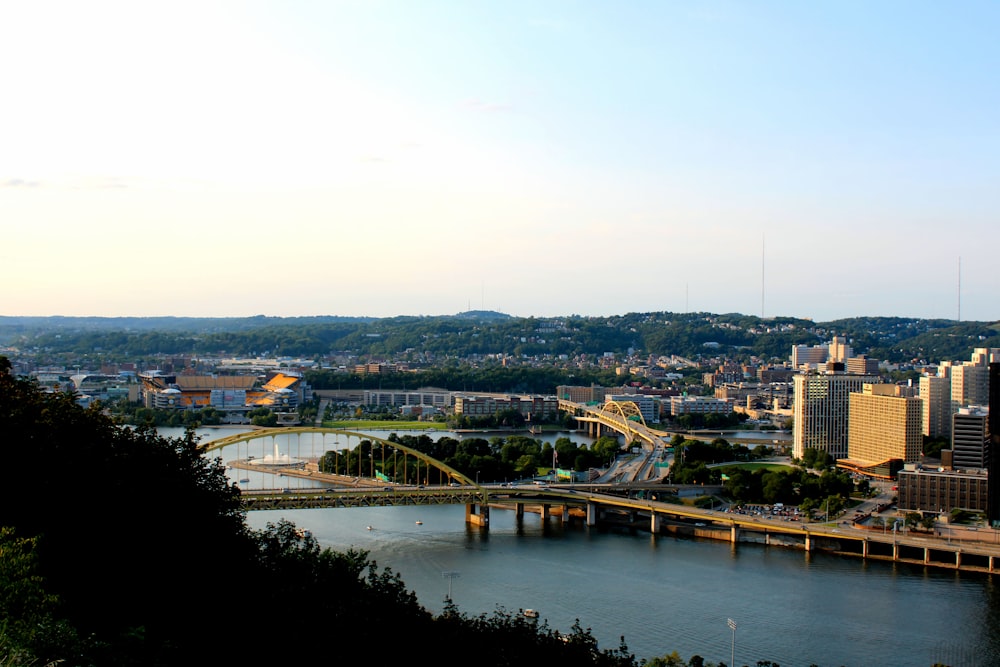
(481, 333)
(483, 315)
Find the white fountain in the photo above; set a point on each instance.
(277, 460)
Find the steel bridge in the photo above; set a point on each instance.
(596, 504)
(621, 416)
(386, 473)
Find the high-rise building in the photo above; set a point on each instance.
(884, 430)
(935, 393)
(862, 365)
(970, 438)
(839, 350)
(820, 413)
(969, 385)
(805, 355)
(993, 465)
(970, 381)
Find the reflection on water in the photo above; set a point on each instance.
(311, 446)
(665, 594)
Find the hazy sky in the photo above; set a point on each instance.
(413, 157)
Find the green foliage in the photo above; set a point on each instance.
(123, 516)
(262, 417)
(932, 446)
(465, 336)
(495, 460)
(142, 416)
(816, 458)
(30, 630)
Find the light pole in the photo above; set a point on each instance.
(451, 574)
(732, 652)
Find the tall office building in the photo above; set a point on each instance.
(884, 430)
(935, 393)
(993, 465)
(969, 385)
(839, 350)
(805, 355)
(862, 365)
(970, 438)
(970, 380)
(820, 414)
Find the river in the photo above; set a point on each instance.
(664, 593)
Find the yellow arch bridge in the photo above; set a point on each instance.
(374, 472)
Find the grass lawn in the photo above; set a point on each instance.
(759, 466)
(376, 425)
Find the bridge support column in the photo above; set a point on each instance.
(809, 543)
(477, 515)
(565, 513)
(895, 551)
(991, 563)
(864, 548)
(592, 514)
(519, 510)
(734, 533)
(544, 512)
(654, 523)
(958, 559)
(927, 556)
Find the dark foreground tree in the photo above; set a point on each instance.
(121, 547)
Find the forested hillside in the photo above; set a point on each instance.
(433, 338)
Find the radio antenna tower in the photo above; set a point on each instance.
(761, 276)
(959, 288)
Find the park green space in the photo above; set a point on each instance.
(385, 425)
(756, 465)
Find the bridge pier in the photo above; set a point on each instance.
(545, 511)
(864, 548)
(592, 513)
(809, 543)
(477, 515)
(654, 523)
(734, 533)
(519, 510)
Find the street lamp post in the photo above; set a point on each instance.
(451, 574)
(732, 652)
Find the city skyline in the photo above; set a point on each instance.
(377, 159)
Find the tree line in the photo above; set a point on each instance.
(431, 340)
(497, 459)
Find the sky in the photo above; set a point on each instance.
(381, 158)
